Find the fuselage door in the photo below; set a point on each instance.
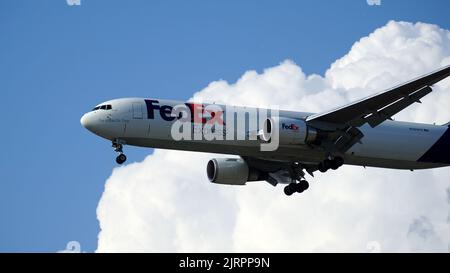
(137, 110)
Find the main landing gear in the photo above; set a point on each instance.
(297, 174)
(293, 187)
(118, 147)
(333, 164)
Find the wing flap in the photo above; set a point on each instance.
(387, 112)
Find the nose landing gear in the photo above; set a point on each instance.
(120, 159)
(118, 147)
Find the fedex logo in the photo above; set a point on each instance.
(291, 126)
(198, 113)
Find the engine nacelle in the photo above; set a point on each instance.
(231, 171)
(289, 130)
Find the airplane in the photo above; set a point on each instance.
(361, 133)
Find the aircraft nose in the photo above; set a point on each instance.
(86, 122)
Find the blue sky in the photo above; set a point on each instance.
(58, 61)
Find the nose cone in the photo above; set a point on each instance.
(86, 122)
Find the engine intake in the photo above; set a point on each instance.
(231, 171)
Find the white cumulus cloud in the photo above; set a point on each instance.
(165, 202)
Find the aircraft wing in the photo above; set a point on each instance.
(377, 108)
(342, 124)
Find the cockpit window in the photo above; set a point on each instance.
(103, 107)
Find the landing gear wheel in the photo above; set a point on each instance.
(302, 186)
(120, 159)
(325, 165)
(333, 164)
(339, 161)
(290, 189)
(336, 163)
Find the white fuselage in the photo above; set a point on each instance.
(392, 144)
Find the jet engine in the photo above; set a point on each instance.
(231, 171)
(288, 131)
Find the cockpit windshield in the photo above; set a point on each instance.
(103, 107)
